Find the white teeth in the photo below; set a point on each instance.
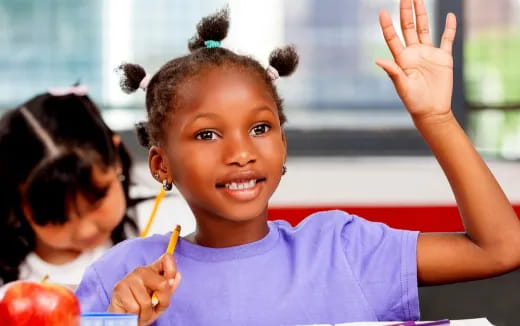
(242, 185)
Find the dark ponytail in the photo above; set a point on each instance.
(284, 60)
(131, 76)
(211, 28)
(142, 134)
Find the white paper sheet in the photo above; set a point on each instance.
(461, 322)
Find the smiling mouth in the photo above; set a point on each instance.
(243, 184)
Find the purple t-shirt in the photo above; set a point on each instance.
(331, 268)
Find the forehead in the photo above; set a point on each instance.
(227, 86)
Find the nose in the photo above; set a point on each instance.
(88, 229)
(240, 150)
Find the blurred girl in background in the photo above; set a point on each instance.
(64, 195)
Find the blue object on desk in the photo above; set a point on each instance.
(108, 319)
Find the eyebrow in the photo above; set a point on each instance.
(208, 115)
(263, 108)
(211, 115)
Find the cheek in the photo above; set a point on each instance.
(56, 236)
(194, 162)
(199, 167)
(272, 149)
(111, 212)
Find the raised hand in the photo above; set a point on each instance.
(422, 74)
(133, 294)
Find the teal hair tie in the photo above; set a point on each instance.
(210, 44)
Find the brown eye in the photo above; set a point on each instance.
(206, 135)
(259, 129)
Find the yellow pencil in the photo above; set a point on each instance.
(173, 240)
(158, 200)
(169, 250)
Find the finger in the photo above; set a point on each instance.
(449, 33)
(164, 265)
(393, 70)
(157, 265)
(122, 300)
(149, 278)
(143, 299)
(169, 266)
(391, 38)
(421, 17)
(164, 296)
(407, 24)
(177, 281)
(154, 283)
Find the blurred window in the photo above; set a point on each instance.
(338, 101)
(492, 75)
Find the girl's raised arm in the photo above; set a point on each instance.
(423, 77)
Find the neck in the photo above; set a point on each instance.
(221, 233)
(55, 256)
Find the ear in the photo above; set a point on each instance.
(284, 140)
(158, 164)
(116, 140)
(27, 211)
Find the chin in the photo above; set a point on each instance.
(246, 214)
(93, 244)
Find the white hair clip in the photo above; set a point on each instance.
(272, 72)
(79, 90)
(144, 83)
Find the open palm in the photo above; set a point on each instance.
(422, 74)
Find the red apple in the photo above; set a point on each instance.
(30, 303)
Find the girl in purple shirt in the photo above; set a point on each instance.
(215, 130)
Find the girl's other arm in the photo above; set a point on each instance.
(422, 75)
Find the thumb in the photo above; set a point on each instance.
(169, 266)
(165, 265)
(393, 70)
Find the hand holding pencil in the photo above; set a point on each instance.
(169, 251)
(146, 291)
